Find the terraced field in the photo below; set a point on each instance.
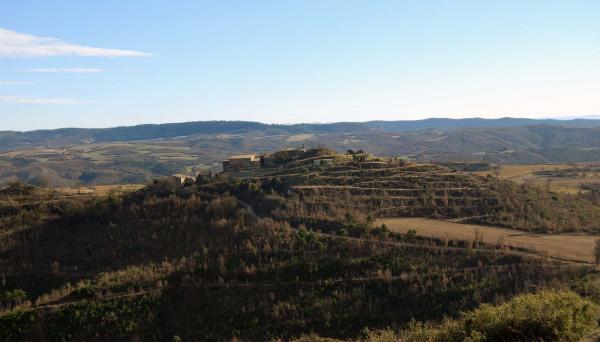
(394, 191)
(397, 193)
(390, 188)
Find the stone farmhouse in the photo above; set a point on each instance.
(241, 163)
(183, 180)
(250, 162)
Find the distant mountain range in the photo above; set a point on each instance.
(10, 140)
(137, 154)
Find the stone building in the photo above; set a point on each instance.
(183, 180)
(241, 163)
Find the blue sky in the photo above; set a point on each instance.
(125, 62)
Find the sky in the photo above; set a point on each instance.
(113, 62)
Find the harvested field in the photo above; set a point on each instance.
(564, 246)
(518, 173)
(582, 173)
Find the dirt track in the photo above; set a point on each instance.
(565, 246)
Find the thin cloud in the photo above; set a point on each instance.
(63, 70)
(23, 45)
(41, 101)
(18, 83)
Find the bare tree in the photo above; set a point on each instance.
(597, 252)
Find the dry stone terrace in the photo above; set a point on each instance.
(394, 191)
(352, 191)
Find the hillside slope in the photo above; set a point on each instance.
(258, 259)
(354, 191)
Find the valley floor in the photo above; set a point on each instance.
(570, 247)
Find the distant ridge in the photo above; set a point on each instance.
(445, 123)
(65, 136)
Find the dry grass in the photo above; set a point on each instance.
(517, 172)
(102, 190)
(526, 174)
(564, 246)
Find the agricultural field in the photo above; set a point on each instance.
(571, 247)
(564, 178)
(300, 137)
(106, 152)
(102, 164)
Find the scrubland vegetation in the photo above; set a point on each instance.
(351, 192)
(545, 316)
(290, 255)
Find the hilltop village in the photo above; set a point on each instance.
(253, 165)
(241, 165)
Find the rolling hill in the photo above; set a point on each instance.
(74, 136)
(138, 154)
(10, 140)
(278, 256)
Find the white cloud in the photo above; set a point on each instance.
(17, 83)
(40, 101)
(67, 70)
(15, 44)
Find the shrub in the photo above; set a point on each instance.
(546, 316)
(16, 324)
(382, 335)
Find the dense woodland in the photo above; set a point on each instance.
(295, 255)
